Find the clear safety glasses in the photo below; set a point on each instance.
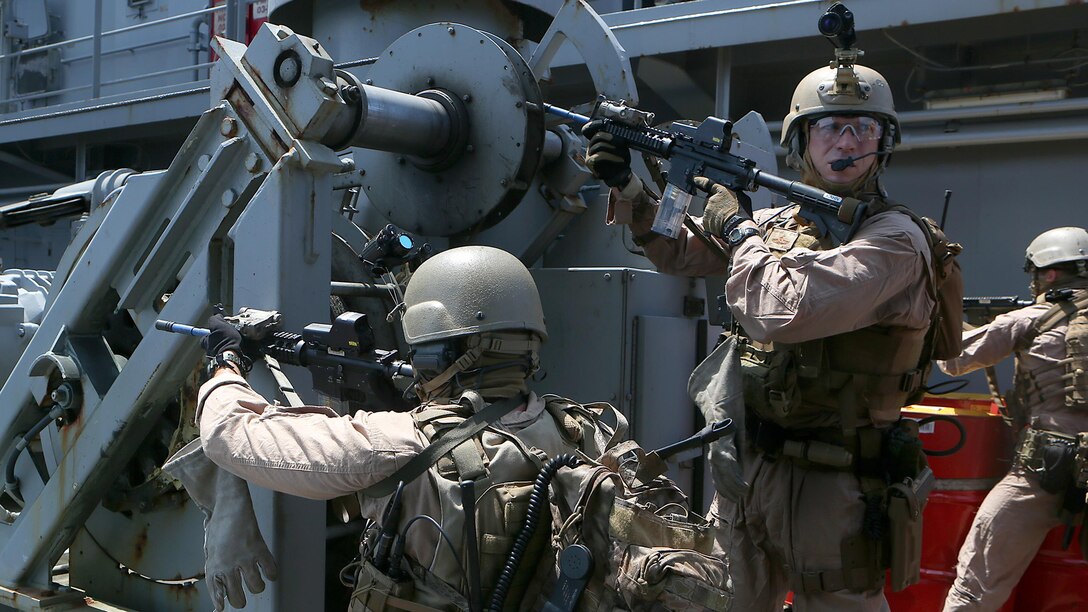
(830, 129)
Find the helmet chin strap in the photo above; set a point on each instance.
(487, 362)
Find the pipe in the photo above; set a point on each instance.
(401, 123)
(96, 52)
(194, 44)
(979, 112)
(1072, 128)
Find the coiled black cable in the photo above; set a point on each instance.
(955, 448)
(532, 516)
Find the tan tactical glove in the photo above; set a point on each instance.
(233, 547)
(721, 205)
(606, 157)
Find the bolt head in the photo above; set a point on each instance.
(228, 127)
(228, 198)
(252, 162)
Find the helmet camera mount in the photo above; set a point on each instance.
(837, 25)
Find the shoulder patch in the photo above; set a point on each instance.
(780, 239)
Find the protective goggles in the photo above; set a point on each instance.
(830, 129)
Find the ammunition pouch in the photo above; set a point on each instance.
(377, 592)
(1049, 455)
(814, 448)
(770, 383)
(905, 501)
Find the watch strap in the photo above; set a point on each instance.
(731, 223)
(224, 359)
(739, 235)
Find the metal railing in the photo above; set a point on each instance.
(235, 13)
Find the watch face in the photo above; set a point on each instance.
(739, 234)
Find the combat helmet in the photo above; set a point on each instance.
(1057, 246)
(473, 318)
(470, 290)
(846, 90)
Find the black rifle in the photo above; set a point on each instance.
(982, 310)
(341, 357)
(703, 150)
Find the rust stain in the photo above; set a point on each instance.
(140, 545)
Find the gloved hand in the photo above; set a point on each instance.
(233, 547)
(721, 205)
(609, 160)
(223, 337)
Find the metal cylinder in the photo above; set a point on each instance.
(553, 146)
(401, 123)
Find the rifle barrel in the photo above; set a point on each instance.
(181, 328)
(566, 114)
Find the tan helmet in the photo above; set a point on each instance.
(817, 95)
(470, 290)
(1059, 245)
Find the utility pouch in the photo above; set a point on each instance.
(377, 592)
(906, 500)
(770, 383)
(1057, 472)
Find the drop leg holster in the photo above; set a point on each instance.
(895, 483)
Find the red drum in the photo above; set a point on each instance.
(1056, 580)
(964, 479)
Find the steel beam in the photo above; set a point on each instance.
(709, 24)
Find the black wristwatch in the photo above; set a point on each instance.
(738, 235)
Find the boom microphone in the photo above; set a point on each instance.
(842, 164)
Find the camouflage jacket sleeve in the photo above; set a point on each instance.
(878, 278)
(308, 451)
(991, 343)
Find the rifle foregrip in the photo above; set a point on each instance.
(287, 347)
(639, 139)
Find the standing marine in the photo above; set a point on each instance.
(833, 340)
(1049, 407)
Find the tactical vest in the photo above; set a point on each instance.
(852, 379)
(503, 466)
(1067, 377)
